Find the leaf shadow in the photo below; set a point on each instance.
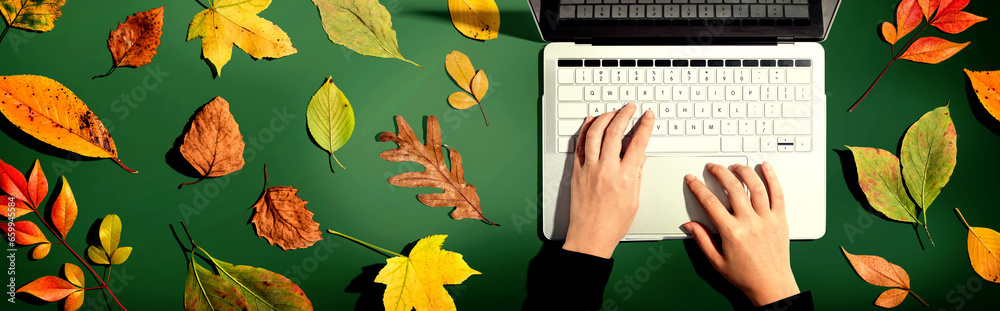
(33, 143)
(370, 297)
(175, 159)
(519, 24)
(980, 112)
(703, 268)
(93, 238)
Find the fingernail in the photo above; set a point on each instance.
(689, 178)
(687, 227)
(767, 165)
(648, 114)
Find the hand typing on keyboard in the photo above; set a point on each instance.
(605, 185)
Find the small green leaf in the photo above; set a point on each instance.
(928, 155)
(97, 255)
(207, 291)
(364, 26)
(330, 118)
(880, 179)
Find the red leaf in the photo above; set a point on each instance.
(889, 33)
(27, 233)
(932, 50)
(908, 17)
(12, 182)
(928, 7)
(38, 186)
(20, 209)
(64, 210)
(946, 6)
(49, 288)
(956, 21)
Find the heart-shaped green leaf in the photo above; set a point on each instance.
(330, 118)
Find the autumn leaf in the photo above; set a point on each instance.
(889, 33)
(228, 22)
(134, 43)
(985, 84)
(956, 21)
(204, 290)
(52, 288)
(880, 179)
(476, 19)
(928, 156)
(213, 145)
(41, 250)
(480, 84)
(51, 113)
(928, 7)
(984, 250)
(27, 233)
(436, 174)
(109, 234)
(908, 17)
(330, 118)
(281, 217)
(416, 281)
(877, 271)
(364, 26)
(932, 50)
(37, 15)
(460, 69)
(947, 6)
(38, 185)
(461, 100)
(13, 183)
(18, 207)
(64, 210)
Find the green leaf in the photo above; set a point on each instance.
(263, 289)
(97, 255)
(364, 26)
(207, 291)
(880, 179)
(928, 155)
(330, 118)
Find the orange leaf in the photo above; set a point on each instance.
(946, 6)
(41, 251)
(27, 233)
(281, 217)
(20, 209)
(134, 43)
(73, 274)
(891, 298)
(213, 145)
(928, 7)
(908, 17)
(932, 50)
(877, 271)
(984, 250)
(64, 209)
(74, 301)
(12, 182)
(436, 174)
(889, 33)
(49, 288)
(38, 186)
(985, 83)
(956, 21)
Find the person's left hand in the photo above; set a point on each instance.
(604, 192)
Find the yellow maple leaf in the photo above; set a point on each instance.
(228, 22)
(417, 281)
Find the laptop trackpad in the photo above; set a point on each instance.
(665, 201)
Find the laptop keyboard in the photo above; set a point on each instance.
(683, 9)
(701, 106)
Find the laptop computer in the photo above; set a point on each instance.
(730, 81)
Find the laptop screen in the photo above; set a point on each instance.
(703, 22)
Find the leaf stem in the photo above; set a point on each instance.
(918, 297)
(363, 243)
(928, 233)
(191, 183)
(411, 62)
(84, 262)
(91, 288)
(123, 165)
(338, 161)
(894, 58)
(963, 219)
(908, 43)
(107, 74)
(4, 34)
(484, 114)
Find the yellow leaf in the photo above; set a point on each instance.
(416, 281)
(984, 251)
(480, 84)
(37, 15)
(460, 69)
(230, 22)
(461, 100)
(476, 19)
(51, 113)
(121, 255)
(97, 255)
(985, 83)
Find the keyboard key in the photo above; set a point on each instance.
(583, 76)
(786, 93)
(567, 144)
(769, 92)
(792, 127)
(734, 93)
(572, 110)
(601, 76)
(645, 63)
(636, 76)
(618, 76)
(592, 93)
(609, 93)
(769, 144)
(797, 11)
(784, 148)
(671, 11)
(693, 127)
(732, 144)
(585, 11)
(798, 75)
(698, 63)
(702, 110)
(772, 110)
(751, 144)
(729, 127)
(685, 110)
(707, 75)
(759, 76)
(681, 93)
(755, 110)
(569, 126)
(609, 63)
(803, 143)
(654, 11)
(689, 76)
(751, 92)
(706, 11)
(660, 127)
(742, 76)
(738, 110)
(668, 110)
(775, 11)
(689, 11)
(720, 110)
(797, 110)
(620, 11)
(758, 11)
(627, 93)
(662, 92)
(683, 144)
(570, 63)
(570, 93)
(764, 127)
(653, 75)
(712, 127)
(612, 107)
(645, 93)
(741, 11)
(671, 76)
(602, 11)
(675, 128)
(647, 106)
(699, 93)
(716, 93)
(565, 76)
(596, 109)
(626, 63)
(746, 127)
(777, 75)
(724, 76)
(636, 11)
(567, 11)
(803, 92)
(803, 63)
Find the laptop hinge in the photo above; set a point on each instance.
(786, 40)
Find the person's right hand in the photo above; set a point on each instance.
(753, 251)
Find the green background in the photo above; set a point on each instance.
(501, 160)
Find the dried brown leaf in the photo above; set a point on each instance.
(213, 144)
(281, 217)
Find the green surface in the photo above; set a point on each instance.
(147, 112)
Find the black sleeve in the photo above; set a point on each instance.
(563, 280)
(801, 302)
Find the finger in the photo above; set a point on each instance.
(594, 137)
(580, 155)
(637, 148)
(776, 194)
(758, 193)
(706, 243)
(734, 188)
(716, 212)
(615, 132)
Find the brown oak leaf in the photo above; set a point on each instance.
(456, 193)
(134, 43)
(213, 144)
(281, 217)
